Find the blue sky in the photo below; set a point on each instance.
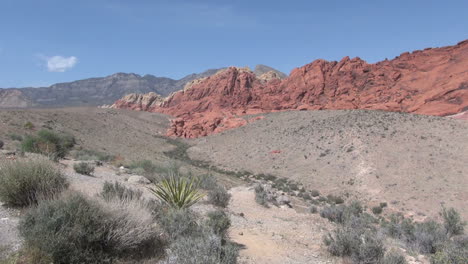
(48, 41)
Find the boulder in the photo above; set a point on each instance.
(136, 179)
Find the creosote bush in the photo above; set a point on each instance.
(47, 142)
(75, 229)
(88, 155)
(25, 182)
(83, 168)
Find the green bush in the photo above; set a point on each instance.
(29, 125)
(25, 182)
(219, 222)
(48, 143)
(75, 229)
(452, 222)
(219, 196)
(118, 191)
(83, 168)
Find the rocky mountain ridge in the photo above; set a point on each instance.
(433, 81)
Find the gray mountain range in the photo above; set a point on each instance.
(98, 91)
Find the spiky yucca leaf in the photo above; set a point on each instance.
(178, 192)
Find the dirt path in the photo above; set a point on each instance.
(276, 235)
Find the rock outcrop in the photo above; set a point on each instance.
(431, 82)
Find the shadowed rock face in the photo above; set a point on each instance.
(430, 82)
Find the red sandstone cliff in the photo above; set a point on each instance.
(431, 81)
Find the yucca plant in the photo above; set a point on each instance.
(178, 192)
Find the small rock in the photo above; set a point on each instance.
(241, 233)
(138, 179)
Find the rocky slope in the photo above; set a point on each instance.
(433, 81)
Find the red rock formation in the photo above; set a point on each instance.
(431, 82)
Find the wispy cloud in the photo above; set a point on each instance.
(59, 63)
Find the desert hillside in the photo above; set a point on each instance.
(415, 163)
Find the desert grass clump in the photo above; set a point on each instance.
(49, 143)
(117, 191)
(25, 182)
(177, 193)
(219, 196)
(83, 168)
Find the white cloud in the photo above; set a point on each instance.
(60, 63)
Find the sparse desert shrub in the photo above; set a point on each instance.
(218, 222)
(179, 223)
(1, 144)
(261, 196)
(428, 237)
(334, 199)
(145, 167)
(83, 168)
(394, 257)
(87, 155)
(453, 252)
(452, 222)
(208, 182)
(130, 227)
(28, 125)
(207, 248)
(48, 143)
(25, 182)
(314, 193)
(15, 137)
(117, 190)
(219, 196)
(377, 210)
(313, 209)
(363, 246)
(342, 213)
(70, 230)
(178, 193)
(75, 229)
